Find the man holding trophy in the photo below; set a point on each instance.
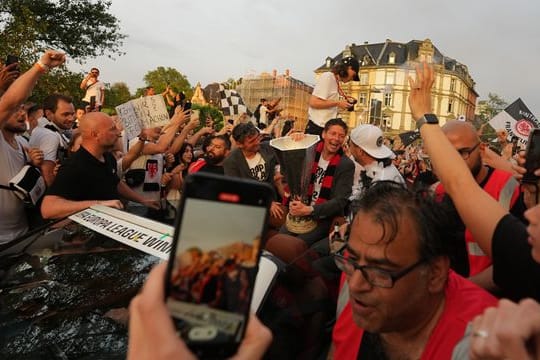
(319, 180)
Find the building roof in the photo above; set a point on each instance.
(378, 55)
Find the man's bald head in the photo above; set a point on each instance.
(93, 122)
(461, 129)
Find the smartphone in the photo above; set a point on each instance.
(11, 59)
(532, 157)
(195, 114)
(187, 105)
(214, 260)
(230, 121)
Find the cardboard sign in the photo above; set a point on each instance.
(142, 113)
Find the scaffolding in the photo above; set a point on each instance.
(294, 94)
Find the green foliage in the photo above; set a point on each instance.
(162, 76)
(492, 106)
(81, 28)
(214, 112)
(61, 81)
(116, 94)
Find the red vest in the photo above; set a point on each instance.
(464, 300)
(502, 186)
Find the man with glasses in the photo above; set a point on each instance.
(404, 301)
(94, 89)
(500, 184)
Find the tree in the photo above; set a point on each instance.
(491, 107)
(161, 77)
(116, 94)
(59, 80)
(81, 28)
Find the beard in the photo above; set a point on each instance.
(475, 170)
(15, 129)
(213, 160)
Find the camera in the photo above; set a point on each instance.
(352, 102)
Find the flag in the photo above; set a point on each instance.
(231, 102)
(517, 120)
(407, 138)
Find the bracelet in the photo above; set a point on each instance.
(43, 67)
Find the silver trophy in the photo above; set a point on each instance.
(296, 159)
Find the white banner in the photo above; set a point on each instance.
(142, 238)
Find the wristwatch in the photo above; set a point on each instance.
(427, 119)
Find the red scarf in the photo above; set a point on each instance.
(328, 179)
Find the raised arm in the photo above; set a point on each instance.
(21, 88)
(480, 212)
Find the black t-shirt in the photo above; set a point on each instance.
(514, 269)
(83, 177)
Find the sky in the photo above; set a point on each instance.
(212, 41)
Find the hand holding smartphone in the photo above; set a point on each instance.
(214, 261)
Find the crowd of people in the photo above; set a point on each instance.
(419, 242)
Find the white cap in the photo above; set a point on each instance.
(370, 139)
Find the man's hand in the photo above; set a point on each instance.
(53, 58)
(297, 136)
(420, 96)
(8, 75)
(117, 204)
(298, 208)
(509, 331)
(276, 210)
(152, 334)
(35, 155)
(343, 104)
(153, 204)
(166, 179)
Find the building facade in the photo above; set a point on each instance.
(293, 94)
(383, 89)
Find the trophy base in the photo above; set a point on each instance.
(300, 224)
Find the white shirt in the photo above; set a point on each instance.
(257, 167)
(319, 176)
(48, 141)
(13, 222)
(94, 90)
(326, 89)
(263, 110)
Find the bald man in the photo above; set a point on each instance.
(500, 184)
(89, 176)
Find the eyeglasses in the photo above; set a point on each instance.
(466, 152)
(373, 275)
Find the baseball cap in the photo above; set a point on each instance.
(370, 139)
(354, 64)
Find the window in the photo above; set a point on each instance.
(363, 78)
(362, 98)
(452, 84)
(450, 105)
(392, 58)
(388, 99)
(390, 78)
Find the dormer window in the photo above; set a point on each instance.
(328, 62)
(365, 60)
(392, 58)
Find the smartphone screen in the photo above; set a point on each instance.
(532, 156)
(214, 261)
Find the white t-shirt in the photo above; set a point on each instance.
(263, 119)
(326, 89)
(48, 141)
(257, 167)
(13, 222)
(94, 90)
(319, 176)
(153, 165)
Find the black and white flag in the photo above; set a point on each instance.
(517, 120)
(231, 102)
